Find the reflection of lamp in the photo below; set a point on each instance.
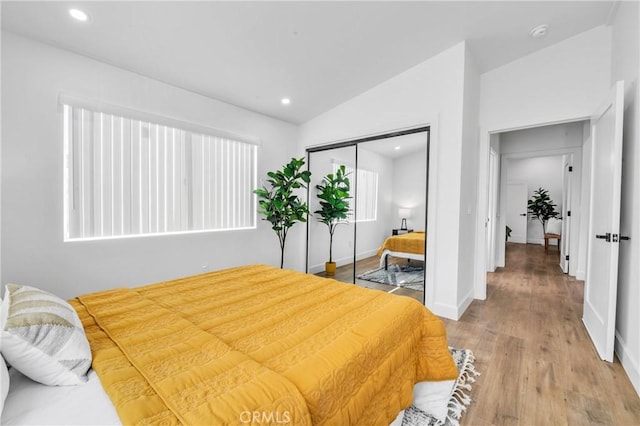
(404, 214)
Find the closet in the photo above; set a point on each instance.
(388, 176)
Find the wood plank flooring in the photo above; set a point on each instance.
(538, 365)
(345, 274)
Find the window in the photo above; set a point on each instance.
(127, 176)
(367, 190)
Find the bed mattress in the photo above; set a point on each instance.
(255, 339)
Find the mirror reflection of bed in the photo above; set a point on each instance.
(390, 200)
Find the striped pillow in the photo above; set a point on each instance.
(42, 337)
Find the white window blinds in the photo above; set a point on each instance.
(129, 177)
(366, 204)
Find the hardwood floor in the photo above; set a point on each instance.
(537, 363)
(345, 274)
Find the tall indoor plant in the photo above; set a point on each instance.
(279, 203)
(333, 193)
(542, 208)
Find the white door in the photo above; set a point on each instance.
(517, 194)
(599, 313)
(566, 214)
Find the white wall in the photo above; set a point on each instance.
(431, 92)
(625, 66)
(371, 234)
(562, 82)
(468, 256)
(33, 250)
(541, 140)
(545, 172)
(409, 189)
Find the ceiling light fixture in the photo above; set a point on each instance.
(539, 31)
(396, 148)
(285, 101)
(78, 15)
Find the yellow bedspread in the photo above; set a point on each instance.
(260, 345)
(413, 242)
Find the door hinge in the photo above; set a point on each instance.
(566, 257)
(570, 168)
(569, 213)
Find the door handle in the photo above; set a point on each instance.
(624, 237)
(523, 214)
(606, 237)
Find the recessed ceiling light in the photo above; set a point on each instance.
(285, 101)
(78, 14)
(396, 148)
(539, 31)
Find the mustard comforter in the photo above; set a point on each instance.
(412, 242)
(260, 345)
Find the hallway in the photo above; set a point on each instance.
(538, 365)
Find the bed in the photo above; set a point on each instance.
(409, 246)
(252, 344)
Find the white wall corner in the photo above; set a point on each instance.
(630, 365)
(445, 310)
(540, 241)
(464, 304)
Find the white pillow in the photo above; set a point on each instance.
(42, 337)
(4, 383)
(554, 226)
(433, 397)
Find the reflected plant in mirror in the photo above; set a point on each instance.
(333, 193)
(279, 203)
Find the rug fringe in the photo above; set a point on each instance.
(460, 399)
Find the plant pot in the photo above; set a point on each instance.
(330, 268)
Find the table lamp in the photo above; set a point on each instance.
(404, 214)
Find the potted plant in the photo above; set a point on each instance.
(333, 193)
(278, 202)
(542, 208)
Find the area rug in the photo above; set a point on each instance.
(406, 276)
(445, 402)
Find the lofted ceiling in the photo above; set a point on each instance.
(318, 54)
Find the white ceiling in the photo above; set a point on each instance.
(319, 54)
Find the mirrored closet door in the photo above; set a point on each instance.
(330, 237)
(382, 243)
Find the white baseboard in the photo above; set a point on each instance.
(366, 254)
(444, 310)
(580, 275)
(629, 364)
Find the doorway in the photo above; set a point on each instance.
(516, 200)
(605, 127)
(547, 157)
